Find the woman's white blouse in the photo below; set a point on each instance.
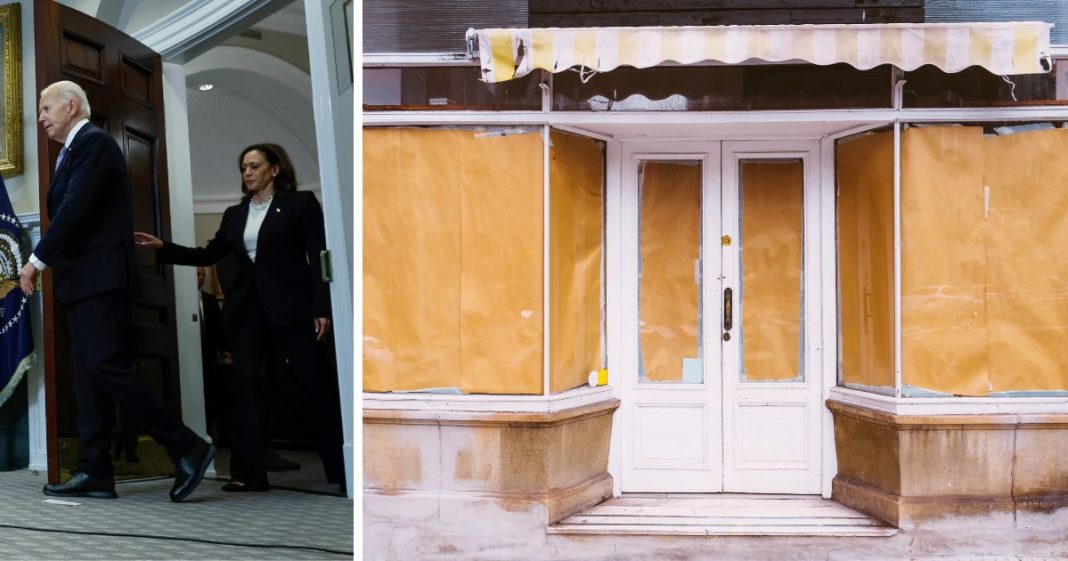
(252, 228)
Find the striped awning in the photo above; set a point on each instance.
(1002, 48)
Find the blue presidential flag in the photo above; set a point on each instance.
(16, 340)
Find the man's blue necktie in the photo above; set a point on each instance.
(62, 152)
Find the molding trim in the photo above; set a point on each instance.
(216, 204)
(213, 204)
(400, 60)
(850, 117)
(928, 406)
(36, 417)
(30, 221)
(211, 207)
(489, 418)
(199, 21)
(448, 403)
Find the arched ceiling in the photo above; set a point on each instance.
(261, 93)
(245, 107)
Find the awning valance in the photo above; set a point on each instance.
(1002, 48)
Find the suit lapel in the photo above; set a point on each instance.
(277, 208)
(239, 226)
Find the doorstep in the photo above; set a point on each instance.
(693, 514)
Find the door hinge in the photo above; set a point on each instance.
(325, 267)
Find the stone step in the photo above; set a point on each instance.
(723, 515)
(718, 521)
(742, 530)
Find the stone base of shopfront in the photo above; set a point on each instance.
(909, 470)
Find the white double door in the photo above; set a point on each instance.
(720, 385)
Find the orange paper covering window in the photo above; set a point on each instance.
(865, 175)
(943, 260)
(1027, 229)
(670, 246)
(772, 227)
(452, 260)
(576, 177)
(411, 260)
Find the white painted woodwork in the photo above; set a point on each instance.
(671, 431)
(1000, 405)
(723, 434)
(36, 420)
(772, 430)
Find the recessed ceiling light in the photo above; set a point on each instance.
(206, 87)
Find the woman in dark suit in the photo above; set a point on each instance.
(278, 300)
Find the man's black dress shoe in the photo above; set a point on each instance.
(83, 485)
(189, 470)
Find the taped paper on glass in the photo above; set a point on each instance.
(1027, 273)
(865, 181)
(670, 243)
(452, 261)
(772, 225)
(943, 260)
(411, 267)
(576, 180)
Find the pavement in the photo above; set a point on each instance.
(446, 537)
(302, 523)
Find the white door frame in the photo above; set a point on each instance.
(821, 360)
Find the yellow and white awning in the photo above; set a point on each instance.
(1002, 48)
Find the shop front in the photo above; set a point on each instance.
(813, 260)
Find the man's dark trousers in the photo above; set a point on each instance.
(104, 374)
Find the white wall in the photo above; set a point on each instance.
(256, 97)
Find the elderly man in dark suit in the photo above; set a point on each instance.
(89, 245)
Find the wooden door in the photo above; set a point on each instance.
(124, 83)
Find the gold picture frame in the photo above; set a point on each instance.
(11, 163)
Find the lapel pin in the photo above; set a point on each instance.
(277, 210)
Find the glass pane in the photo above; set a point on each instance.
(711, 88)
(865, 207)
(928, 86)
(771, 257)
(669, 266)
(576, 241)
(446, 88)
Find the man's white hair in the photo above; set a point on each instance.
(67, 90)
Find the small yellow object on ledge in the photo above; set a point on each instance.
(598, 377)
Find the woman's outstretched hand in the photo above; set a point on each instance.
(148, 240)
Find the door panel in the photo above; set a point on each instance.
(717, 394)
(123, 80)
(771, 418)
(672, 411)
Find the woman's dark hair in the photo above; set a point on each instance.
(286, 180)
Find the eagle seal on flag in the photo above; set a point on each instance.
(16, 339)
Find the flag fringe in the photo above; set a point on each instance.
(24, 365)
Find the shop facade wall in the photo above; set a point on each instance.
(437, 468)
(912, 470)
